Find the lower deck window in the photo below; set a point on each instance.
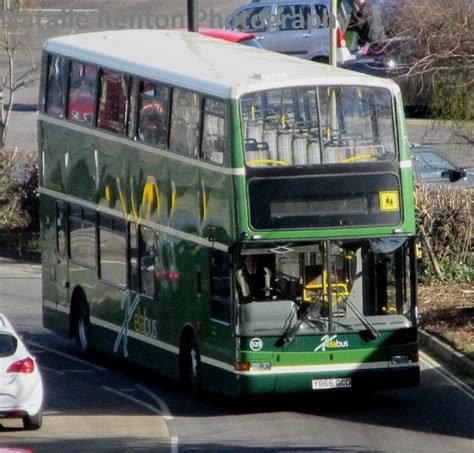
(82, 235)
(112, 250)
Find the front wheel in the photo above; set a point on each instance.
(32, 422)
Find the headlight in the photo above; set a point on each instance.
(261, 366)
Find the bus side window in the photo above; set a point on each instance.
(133, 109)
(112, 250)
(56, 86)
(112, 101)
(213, 138)
(82, 93)
(153, 114)
(146, 254)
(132, 257)
(60, 228)
(185, 121)
(219, 278)
(82, 241)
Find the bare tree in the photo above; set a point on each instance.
(12, 40)
(440, 40)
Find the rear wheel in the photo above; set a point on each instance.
(32, 422)
(80, 326)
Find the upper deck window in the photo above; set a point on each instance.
(153, 114)
(185, 122)
(82, 93)
(318, 125)
(56, 86)
(213, 137)
(113, 101)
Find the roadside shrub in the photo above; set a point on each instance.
(445, 217)
(19, 208)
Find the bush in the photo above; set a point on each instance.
(444, 215)
(19, 207)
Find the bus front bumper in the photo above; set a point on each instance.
(384, 379)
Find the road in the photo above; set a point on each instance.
(100, 404)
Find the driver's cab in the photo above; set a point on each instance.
(331, 284)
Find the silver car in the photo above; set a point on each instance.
(293, 27)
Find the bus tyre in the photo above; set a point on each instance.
(81, 326)
(191, 369)
(32, 422)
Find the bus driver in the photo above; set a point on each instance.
(254, 280)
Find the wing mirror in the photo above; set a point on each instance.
(454, 175)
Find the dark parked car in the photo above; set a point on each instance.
(392, 58)
(432, 168)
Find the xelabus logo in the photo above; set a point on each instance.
(331, 342)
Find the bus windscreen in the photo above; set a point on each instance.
(318, 125)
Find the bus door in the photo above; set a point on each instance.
(60, 260)
(142, 307)
(219, 343)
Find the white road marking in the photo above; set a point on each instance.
(70, 357)
(438, 368)
(52, 370)
(154, 409)
(174, 444)
(164, 408)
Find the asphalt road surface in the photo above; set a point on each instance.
(99, 404)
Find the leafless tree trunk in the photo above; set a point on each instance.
(12, 40)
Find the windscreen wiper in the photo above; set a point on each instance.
(374, 334)
(290, 332)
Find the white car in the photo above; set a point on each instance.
(21, 386)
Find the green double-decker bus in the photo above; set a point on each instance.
(169, 160)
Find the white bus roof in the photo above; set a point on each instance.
(209, 65)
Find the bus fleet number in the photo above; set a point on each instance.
(325, 384)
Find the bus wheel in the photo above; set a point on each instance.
(81, 325)
(191, 364)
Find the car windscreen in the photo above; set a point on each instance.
(8, 344)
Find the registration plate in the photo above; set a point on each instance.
(336, 383)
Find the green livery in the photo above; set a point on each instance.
(162, 172)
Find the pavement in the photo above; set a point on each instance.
(446, 354)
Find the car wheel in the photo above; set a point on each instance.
(32, 422)
(321, 59)
(81, 327)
